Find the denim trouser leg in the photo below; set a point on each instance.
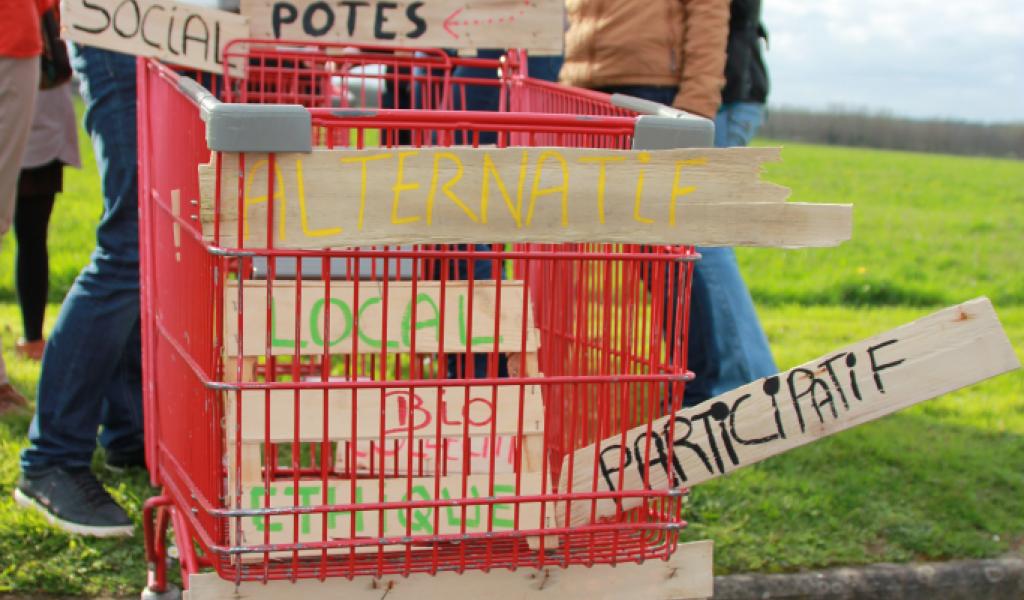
(90, 373)
(736, 123)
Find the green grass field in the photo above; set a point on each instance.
(941, 480)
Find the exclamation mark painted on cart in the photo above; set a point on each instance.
(176, 211)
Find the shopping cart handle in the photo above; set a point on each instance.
(250, 127)
(649, 107)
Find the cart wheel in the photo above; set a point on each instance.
(171, 593)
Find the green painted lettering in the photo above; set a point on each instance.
(434, 321)
(314, 322)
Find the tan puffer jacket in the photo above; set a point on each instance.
(650, 42)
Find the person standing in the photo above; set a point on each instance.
(21, 44)
(52, 144)
(674, 52)
(746, 78)
(91, 371)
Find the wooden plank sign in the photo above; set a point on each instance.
(339, 198)
(686, 575)
(422, 457)
(453, 324)
(174, 32)
(419, 413)
(536, 25)
(945, 351)
(389, 522)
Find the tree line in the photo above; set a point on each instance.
(843, 127)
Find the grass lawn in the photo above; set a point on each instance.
(941, 480)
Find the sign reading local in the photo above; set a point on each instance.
(178, 33)
(536, 25)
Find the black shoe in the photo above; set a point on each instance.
(120, 461)
(73, 500)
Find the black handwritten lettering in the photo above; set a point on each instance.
(771, 387)
(421, 25)
(652, 443)
(216, 43)
(851, 361)
(877, 368)
(186, 37)
(353, 8)
(835, 378)
(282, 13)
(309, 15)
(138, 19)
(623, 459)
(170, 29)
(706, 417)
(97, 8)
(145, 18)
(720, 411)
(756, 441)
(381, 18)
(682, 441)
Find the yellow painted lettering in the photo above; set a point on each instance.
(401, 186)
(364, 159)
(447, 187)
(279, 195)
(536, 191)
(643, 157)
(602, 178)
(304, 216)
(491, 170)
(679, 191)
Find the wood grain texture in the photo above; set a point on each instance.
(687, 575)
(340, 198)
(937, 354)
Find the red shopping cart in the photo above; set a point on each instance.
(387, 410)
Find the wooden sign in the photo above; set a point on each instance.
(476, 410)
(686, 575)
(940, 353)
(178, 33)
(391, 522)
(421, 457)
(338, 198)
(453, 323)
(536, 25)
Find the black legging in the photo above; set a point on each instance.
(32, 267)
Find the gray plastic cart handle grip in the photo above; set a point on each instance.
(662, 127)
(250, 127)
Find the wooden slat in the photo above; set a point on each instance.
(687, 575)
(174, 32)
(420, 412)
(358, 324)
(337, 198)
(421, 456)
(535, 25)
(942, 352)
(370, 524)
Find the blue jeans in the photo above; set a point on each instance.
(727, 347)
(91, 371)
(736, 123)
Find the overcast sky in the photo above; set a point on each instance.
(918, 58)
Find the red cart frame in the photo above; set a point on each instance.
(255, 492)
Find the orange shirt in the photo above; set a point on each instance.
(20, 36)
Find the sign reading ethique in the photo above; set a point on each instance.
(536, 25)
(174, 32)
(337, 198)
(940, 353)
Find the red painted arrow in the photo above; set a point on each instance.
(451, 20)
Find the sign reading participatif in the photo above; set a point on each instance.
(532, 24)
(945, 351)
(338, 198)
(177, 33)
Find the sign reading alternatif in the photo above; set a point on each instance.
(174, 32)
(940, 353)
(536, 25)
(337, 198)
